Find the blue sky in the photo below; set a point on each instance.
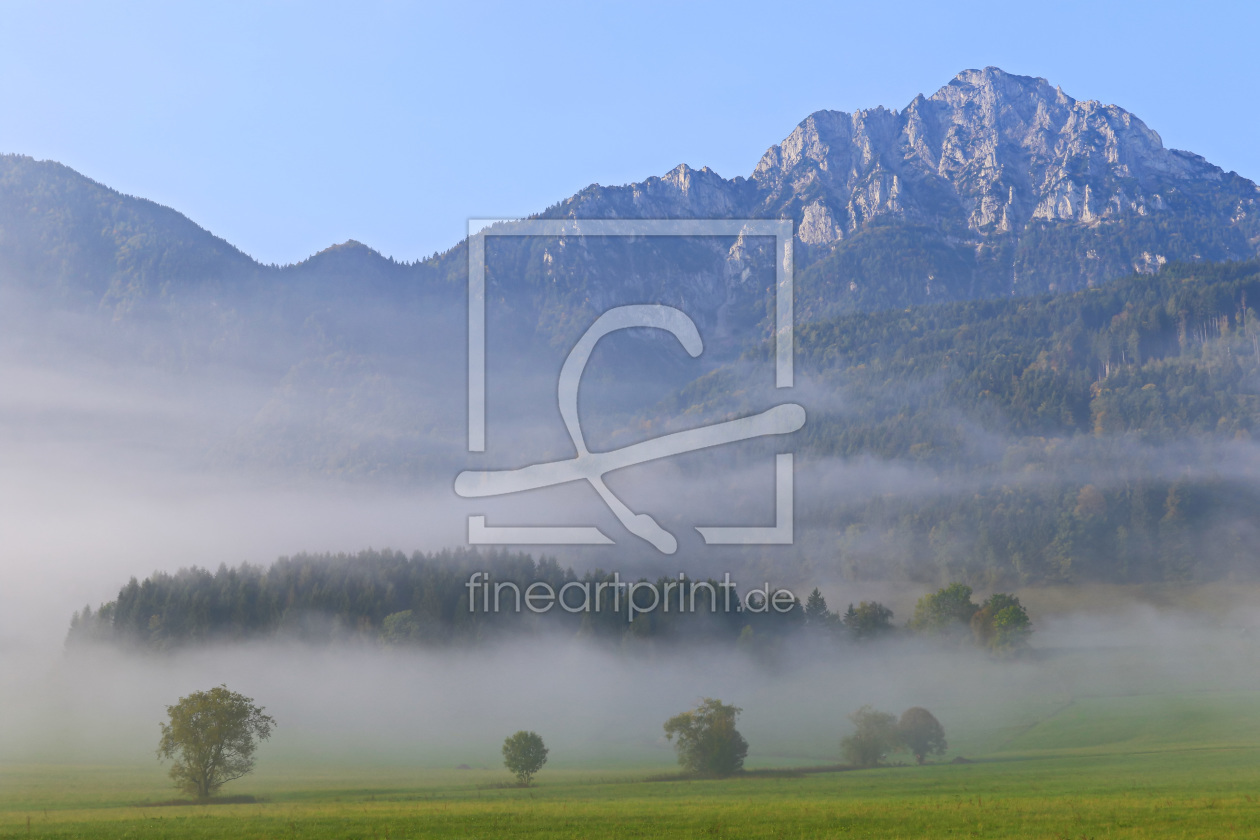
(286, 127)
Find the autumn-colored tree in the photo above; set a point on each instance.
(1002, 625)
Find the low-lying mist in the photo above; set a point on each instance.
(116, 461)
(603, 707)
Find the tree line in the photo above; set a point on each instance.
(390, 599)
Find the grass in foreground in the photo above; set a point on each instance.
(1181, 766)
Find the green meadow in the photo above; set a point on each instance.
(1183, 765)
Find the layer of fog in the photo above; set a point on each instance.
(116, 461)
(116, 465)
(604, 707)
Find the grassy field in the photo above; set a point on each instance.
(1174, 765)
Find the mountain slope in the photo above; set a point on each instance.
(83, 243)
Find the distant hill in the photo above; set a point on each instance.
(83, 243)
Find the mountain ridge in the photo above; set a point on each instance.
(996, 184)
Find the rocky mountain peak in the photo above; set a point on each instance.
(990, 152)
(993, 84)
(989, 168)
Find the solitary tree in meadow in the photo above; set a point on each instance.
(708, 743)
(921, 733)
(524, 754)
(212, 736)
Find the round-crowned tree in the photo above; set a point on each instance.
(524, 754)
(708, 743)
(921, 733)
(211, 736)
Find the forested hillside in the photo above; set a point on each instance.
(1158, 357)
(1103, 435)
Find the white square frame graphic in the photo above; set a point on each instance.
(478, 229)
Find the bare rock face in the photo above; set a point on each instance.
(818, 226)
(1002, 150)
(995, 184)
